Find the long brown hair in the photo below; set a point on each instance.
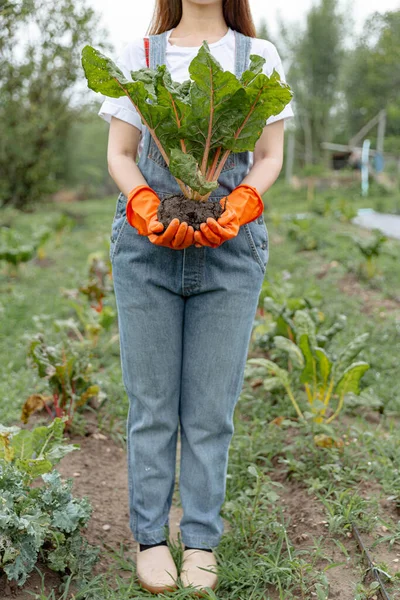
(168, 13)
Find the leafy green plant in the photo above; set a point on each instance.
(40, 520)
(99, 284)
(323, 376)
(63, 223)
(16, 249)
(68, 373)
(331, 205)
(34, 452)
(278, 307)
(302, 232)
(198, 123)
(370, 249)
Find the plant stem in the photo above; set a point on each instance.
(292, 398)
(328, 395)
(339, 408)
(209, 133)
(211, 170)
(309, 396)
(221, 164)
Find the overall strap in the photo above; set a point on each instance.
(146, 50)
(242, 53)
(157, 48)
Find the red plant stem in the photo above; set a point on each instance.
(58, 409)
(70, 404)
(209, 134)
(152, 131)
(221, 164)
(48, 409)
(211, 170)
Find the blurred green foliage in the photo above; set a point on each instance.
(38, 75)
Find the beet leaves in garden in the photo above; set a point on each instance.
(198, 123)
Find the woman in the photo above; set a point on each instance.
(186, 300)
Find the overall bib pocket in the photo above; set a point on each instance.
(118, 224)
(257, 237)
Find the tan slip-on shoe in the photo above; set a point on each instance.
(156, 570)
(192, 572)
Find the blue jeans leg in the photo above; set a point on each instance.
(218, 325)
(150, 324)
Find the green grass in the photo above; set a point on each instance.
(359, 483)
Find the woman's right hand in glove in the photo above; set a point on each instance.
(177, 235)
(141, 213)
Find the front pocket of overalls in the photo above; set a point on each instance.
(258, 240)
(117, 224)
(155, 155)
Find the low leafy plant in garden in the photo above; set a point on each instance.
(40, 521)
(63, 223)
(333, 206)
(68, 373)
(279, 306)
(15, 249)
(370, 249)
(323, 377)
(99, 284)
(195, 125)
(302, 231)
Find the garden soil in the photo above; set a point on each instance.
(193, 212)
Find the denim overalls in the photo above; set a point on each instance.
(185, 320)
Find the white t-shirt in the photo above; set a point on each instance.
(177, 60)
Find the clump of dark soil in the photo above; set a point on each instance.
(193, 212)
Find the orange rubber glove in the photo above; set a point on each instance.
(177, 235)
(244, 203)
(141, 213)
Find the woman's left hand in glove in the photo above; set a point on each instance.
(243, 204)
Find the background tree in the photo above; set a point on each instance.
(371, 76)
(316, 55)
(40, 46)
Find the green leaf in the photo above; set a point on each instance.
(281, 374)
(70, 516)
(148, 78)
(253, 471)
(104, 76)
(350, 380)
(102, 73)
(184, 167)
(349, 353)
(263, 97)
(324, 364)
(291, 348)
(272, 383)
(307, 375)
(36, 451)
(255, 67)
(304, 324)
(34, 467)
